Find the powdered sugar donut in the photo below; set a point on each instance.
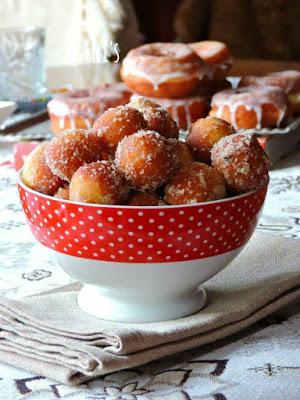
(251, 107)
(204, 133)
(164, 70)
(37, 175)
(116, 123)
(242, 162)
(144, 199)
(63, 193)
(99, 183)
(72, 149)
(79, 108)
(156, 117)
(146, 159)
(185, 111)
(182, 151)
(194, 183)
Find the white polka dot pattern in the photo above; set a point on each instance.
(142, 234)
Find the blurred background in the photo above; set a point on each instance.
(253, 29)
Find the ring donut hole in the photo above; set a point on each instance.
(160, 53)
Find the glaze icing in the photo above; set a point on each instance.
(87, 103)
(161, 62)
(289, 80)
(252, 98)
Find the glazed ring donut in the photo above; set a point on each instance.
(216, 55)
(289, 81)
(79, 108)
(164, 70)
(251, 107)
(185, 111)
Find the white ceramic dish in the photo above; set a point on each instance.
(142, 264)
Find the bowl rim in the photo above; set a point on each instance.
(123, 206)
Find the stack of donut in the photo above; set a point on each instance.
(188, 81)
(180, 78)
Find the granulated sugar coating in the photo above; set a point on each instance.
(146, 159)
(182, 151)
(117, 123)
(196, 182)
(204, 133)
(241, 161)
(100, 183)
(72, 149)
(63, 193)
(118, 163)
(156, 117)
(144, 199)
(37, 175)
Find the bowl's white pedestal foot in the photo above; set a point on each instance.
(125, 305)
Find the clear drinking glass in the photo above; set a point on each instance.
(22, 63)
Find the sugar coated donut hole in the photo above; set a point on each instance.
(63, 193)
(204, 133)
(144, 199)
(117, 123)
(146, 159)
(73, 148)
(99, 183)
(182, 151)
(37, 175)
(194, 183)
(241, 161)
(156, 117)
(186, 110)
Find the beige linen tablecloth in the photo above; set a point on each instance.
(260, 361)
(51, 336)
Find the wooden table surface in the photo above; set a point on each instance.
(261, 67)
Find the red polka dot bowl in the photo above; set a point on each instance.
(142, 264)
